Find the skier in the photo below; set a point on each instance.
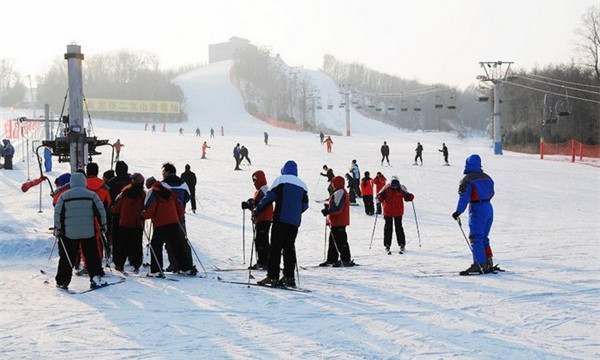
(153, 129)
(321, 136)
(190, 179)
(244, 154)
(392, 196)
(476, 189)
(118, 147)
(180, 131)
(266, 138)
(291, 200)
(379, 183)
(329, 175)
(355, 171)
(352, 189)
(262, 223)
(146, 126)
(95, 184)
(47, 159)
(128, 225)
(237, 156)
(337, 213)
(204, 147)
(165, 210)
(222, 131)
(122, 179)
(385, 153)
(419, 153)
(329, 142)
(8, 152)
(107, 176)
(366, 187)
(62, 185)
(197, 132)
(212, 133)
(444, 151)
(75, 215)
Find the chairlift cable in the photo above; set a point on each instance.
(550, 92)
(559, 85)
(564, 81)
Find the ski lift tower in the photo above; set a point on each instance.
(496, 75)
(345, 91)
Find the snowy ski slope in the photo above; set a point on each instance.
(411, 306)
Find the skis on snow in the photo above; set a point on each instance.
(264, 286)
(120, 280)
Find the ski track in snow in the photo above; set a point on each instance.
(545, 233)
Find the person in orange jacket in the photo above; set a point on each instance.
(392, 196)
(164, 208)
(337, 212)
(366, 188)
(128, 206)
(379, 183)
(329, 142)
(262, 221)
(204, 147)
(97, 185)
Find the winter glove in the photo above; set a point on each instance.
(58, 232)
(455, 215)
(245, 205)
(409, 197)
(103, 228)
(325, 210)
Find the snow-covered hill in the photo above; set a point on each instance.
(545, 234)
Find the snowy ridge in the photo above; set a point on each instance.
(545, 234)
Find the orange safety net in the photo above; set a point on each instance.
(571, 148)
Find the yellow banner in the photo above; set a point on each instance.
(133, 106)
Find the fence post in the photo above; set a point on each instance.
(572, 150)
(541, 148)
(580, 151)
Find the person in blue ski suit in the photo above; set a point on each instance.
(47, 159)
(237, 155)
(476, 189)
(291, 200)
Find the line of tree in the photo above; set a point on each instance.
(116, 75)
(12, 88)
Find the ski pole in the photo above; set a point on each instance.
(52, 250)
(251, 254)
(417, 222)
(373, 233)
(316, 186)
(244, 235)
(468, 243)
(162, 274)
(198, 201)
(192, 247)
(66, 252)
(297, 270)
(325, 243)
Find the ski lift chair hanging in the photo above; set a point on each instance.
(451, 103)
(563, 106)
(417, 106)
(403, 106)
(438, 102)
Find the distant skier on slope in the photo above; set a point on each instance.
(329, 175)
(366, 188)
(419, 153)
(337, 213)
(204, 147)
(444, 151)
(393, 196)
(476, 189)
(379, 182)
(244, 154)
(237, 156)
(385, 153)
(329, 143)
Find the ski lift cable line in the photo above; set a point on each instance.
(564, 81)
(552, 93)
(559, 85)
(403, 94)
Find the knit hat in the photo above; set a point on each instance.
(150, 181)
(137, 178)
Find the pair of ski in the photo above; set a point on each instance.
(423, 273)
(295, 289)
(326, 266)
(72, 292)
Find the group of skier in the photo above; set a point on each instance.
(92, 213)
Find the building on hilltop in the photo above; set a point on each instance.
(226, 50)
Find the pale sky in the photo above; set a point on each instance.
(428, 40)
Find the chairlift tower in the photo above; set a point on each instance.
(346, 93)
(496, 75)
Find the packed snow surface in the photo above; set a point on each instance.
(545, 234)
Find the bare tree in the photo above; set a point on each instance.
(588, 47)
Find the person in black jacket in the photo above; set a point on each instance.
(115, 186)
(385, 153)
(444, 151)
(190, 179)
(244, 154)
(419, 153)
(329, 175)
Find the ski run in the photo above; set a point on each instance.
(414, 306)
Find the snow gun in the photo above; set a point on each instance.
(28, 185)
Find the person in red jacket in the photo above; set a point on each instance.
(366, 188)
(337, 212)
(204, 147)
(128, 206)
(262, 222)
(166, 211)
(393, 196)
(379, 183)
(329, 142)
